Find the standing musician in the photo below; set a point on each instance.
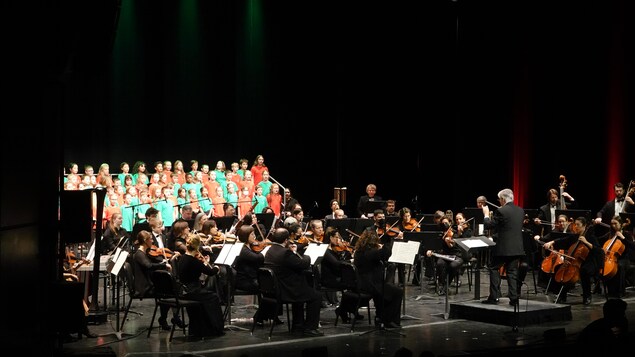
(506, 224)
(617, 244)
(448, 264)
(621, 203)
(547, 213)
(589, 268)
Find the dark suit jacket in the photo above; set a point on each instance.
(246, 265)
(292, 271)
(507, 224)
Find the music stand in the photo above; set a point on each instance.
(361, 224)
(404, 252)
(429, 240)
(477, 215)
(118, 259)
(343, 226)
(225, 223)
(574, 213)
(266, 219)
(369, 207)
(226, 257)
(390, 220)
(476, 244)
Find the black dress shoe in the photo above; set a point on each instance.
(359, 317)
(86, 332)
(277, 321)
(176, 320)
(164, 325)
(490, 301)
(586, 300)
(343, 315)
(313, 333)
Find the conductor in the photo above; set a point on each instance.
(506, 224)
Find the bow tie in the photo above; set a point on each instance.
(620, 199)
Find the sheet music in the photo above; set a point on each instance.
(474, 243)
(404, 252)
(229, 253)
(91, 252)
(121, 258)
(315, 251)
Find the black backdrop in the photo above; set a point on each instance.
(427, 101)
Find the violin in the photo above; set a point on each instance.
(259, 246)
(412, 225)
(155, 251)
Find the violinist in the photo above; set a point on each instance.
(337, 253)
(158, 237)
(617, 245)
(386, 235)
(406, 223)
(248, 261)
(589, 268)
(144, 265)
(447, 269)
(178, 236)
(316, 232)
(391, 208)
(207, 319)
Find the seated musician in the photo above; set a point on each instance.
(370, 259)
(589, 268)
(290, 268)
(331, 274)
(448, 263)
(616, 264)
(207, 319)
(246, 265)
(144, 265)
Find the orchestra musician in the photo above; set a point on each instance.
(144, 265)
(290, 268)
(406, 223)
(617, 244)
(206, 319)
(622, 202)
(370, 259)
(589, 268)
(338, 252)
(449, 263)
(113, 234)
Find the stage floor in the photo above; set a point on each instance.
(462, 326)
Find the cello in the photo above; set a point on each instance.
(569, 271)
(613, 249)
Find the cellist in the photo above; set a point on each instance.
(616, 244)
(582, 240)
